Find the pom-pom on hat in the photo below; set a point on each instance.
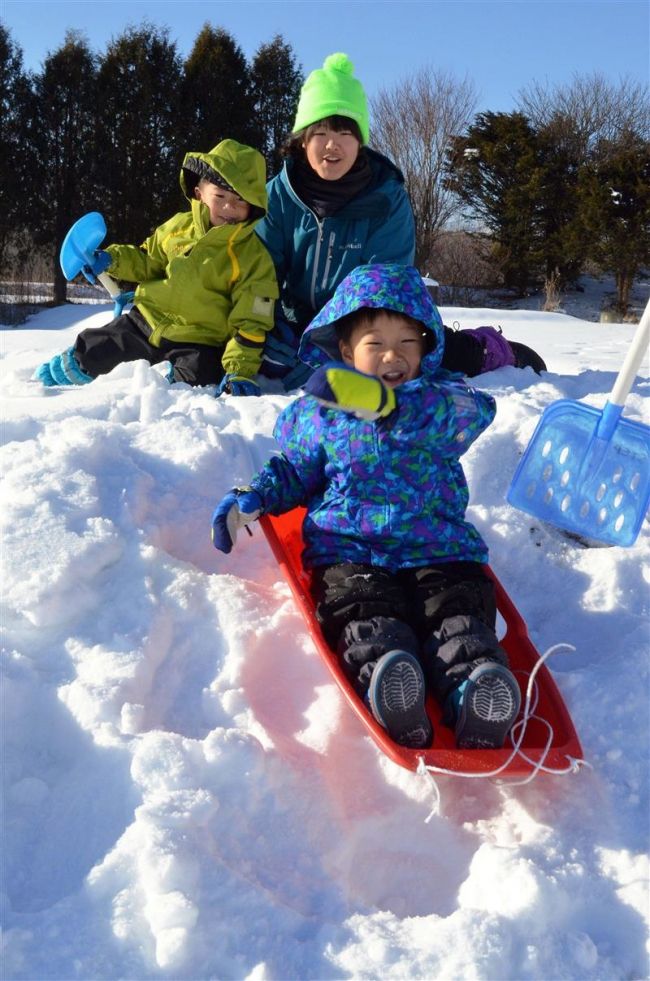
(333, 91)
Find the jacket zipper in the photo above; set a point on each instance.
(330, 253)
(319, 241)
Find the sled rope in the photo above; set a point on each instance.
(517, 734)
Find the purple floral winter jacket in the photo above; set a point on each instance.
(392, 492)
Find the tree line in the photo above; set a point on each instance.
(562, 180)
(108, 133)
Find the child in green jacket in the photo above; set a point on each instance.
(206, 285)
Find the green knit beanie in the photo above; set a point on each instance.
(333, 91)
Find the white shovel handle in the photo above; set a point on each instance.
(633, 359)
(109, 284)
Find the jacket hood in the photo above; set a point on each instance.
(238, 166)
(388, 286)
(382, 166)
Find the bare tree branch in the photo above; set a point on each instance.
(413, 124)
(590, 113)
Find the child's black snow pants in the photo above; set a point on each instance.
(100, 349)
(444, 614)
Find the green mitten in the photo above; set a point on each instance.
(339, 387)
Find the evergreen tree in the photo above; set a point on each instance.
(496, 172)
(593, 124)
(137, 139)
(216, 101)
(62, 154)
(276, 80)
(16, 174)
(615, 199)
(562, 239)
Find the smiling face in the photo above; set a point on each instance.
(330, 152)
(389, 346)
(225, 207)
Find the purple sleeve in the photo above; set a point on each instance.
(446, 412)
(293, 477)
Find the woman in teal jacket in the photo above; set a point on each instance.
(314, 248)
(336, 205)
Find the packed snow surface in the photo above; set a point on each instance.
(186, 794)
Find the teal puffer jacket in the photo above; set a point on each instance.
(313, 255)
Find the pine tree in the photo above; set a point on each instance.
(276, 81)
(615, 200)
(63, 151)
(496, 172)
(16, 114)
(561, 243)
(216, 102)
(578, 124)
(137, 138)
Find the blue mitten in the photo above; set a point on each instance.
(280, 350)
(62, 369)
(121, 301)
(339, 387)
(101, 262)
(238, 385)
(238, 508)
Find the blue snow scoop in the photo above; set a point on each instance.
(588, 471)
(78, 249)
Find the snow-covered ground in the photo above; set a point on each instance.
(186, 794)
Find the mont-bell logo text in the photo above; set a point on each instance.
(352, 245)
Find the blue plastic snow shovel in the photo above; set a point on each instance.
(588, 471)
(78, 249)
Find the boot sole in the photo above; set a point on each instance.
(489, 708)
(397, 696)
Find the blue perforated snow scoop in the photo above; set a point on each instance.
(587, 471)
(78, 249)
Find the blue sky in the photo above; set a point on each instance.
(502, 45)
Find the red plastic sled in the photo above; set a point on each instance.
(551, 747)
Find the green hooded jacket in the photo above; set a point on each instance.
(206, 284)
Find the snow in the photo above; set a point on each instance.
(187, 796)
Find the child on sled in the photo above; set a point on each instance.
(206, 285)
(373, 452)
